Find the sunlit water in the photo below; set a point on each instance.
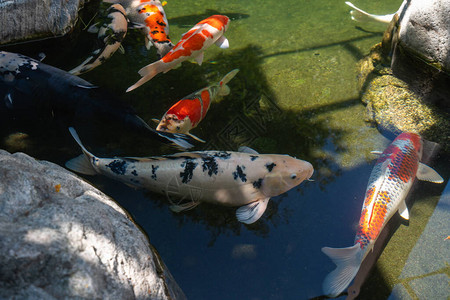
(296, 93)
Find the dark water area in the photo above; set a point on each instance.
(295, 94)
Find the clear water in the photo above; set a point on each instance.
(296, 93)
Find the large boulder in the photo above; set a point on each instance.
(62, 238)
(32, 20)
(424, 29)
(421, 49)
(405, 80)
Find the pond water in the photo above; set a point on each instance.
(296, 93)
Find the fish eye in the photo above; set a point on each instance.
(293, 176)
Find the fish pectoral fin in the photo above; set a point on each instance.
(81, 164)
(199, 58)
(403, 210)
(133, 25)
(250, 213)
(248, 150)
(148, 42)
(182, 207)
(195, 138)
(9, 101)
(156, 120)
(376, 152)
(93, 28)
(222, 42)
(427, 173)
(121, 49)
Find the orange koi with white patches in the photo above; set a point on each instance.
(389, 184)
(191, 110)
(192, 45)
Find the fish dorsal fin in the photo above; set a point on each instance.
(427, 173)
(81, 164)
(250, 213)
(222, 42)
(199, 58)
(403, 210)
(245, 149)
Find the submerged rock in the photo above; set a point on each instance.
(32, 20)
(411, 91)
(62, 238)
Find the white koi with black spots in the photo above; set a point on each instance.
(246, 179)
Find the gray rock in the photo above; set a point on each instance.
(62, 238)
(421, 45)
(23, 20)
(425, 29)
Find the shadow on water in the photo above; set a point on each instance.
(347, 44)
(252, 116)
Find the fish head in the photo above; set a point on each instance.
(286, 173)
(172, 123)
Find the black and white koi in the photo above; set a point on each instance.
(27, 84)
(245, 179)
(110, 36)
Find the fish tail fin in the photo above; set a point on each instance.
(348, 261)
(360, 15)
(224, 88)
(148, 72)
(81, 164)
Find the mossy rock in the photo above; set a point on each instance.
(393, 105)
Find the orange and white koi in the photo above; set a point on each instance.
(110, 35)
(192, 45)
(149, 15)
(191, 110)
(389, 184)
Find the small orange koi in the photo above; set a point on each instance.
(191, 110)
(192, 45)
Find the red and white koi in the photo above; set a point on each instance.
(110, 35)
(246, 178)
(192, 45)
(187, 113)
(389, 184)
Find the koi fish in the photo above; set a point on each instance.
(192, 45)
(110, 36)
(149, 16)
(28, 85)
(360, 15)
(156, 28)
(191, 110)
(246, 179)
(389, 184)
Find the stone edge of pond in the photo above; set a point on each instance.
(61, 237)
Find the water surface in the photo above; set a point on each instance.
(296, 93)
